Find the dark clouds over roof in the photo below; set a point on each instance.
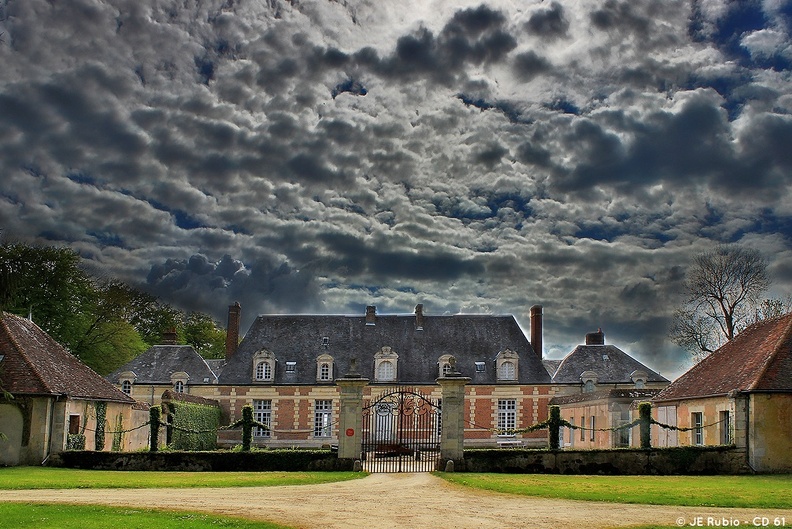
(473, 156)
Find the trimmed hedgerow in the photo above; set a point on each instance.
(194, 426)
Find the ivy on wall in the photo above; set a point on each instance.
(99, 434)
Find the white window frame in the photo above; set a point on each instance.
(507, 415)
(697, 423)
(506, 366)
(323, 418)
(386, 365)
(263, 366)
(262, 412)
(126, 387)
(725, 427)
(324, 368)
(593, 425)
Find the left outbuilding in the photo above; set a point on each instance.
(52, 401)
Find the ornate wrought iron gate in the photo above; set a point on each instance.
(401, 432)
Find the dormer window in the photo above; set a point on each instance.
(506, 365)
(639, 378)
(481, 367)
(263, 366)
(444, 366)
(324, 368)
(589, 380)
(179, 381)
(325, 341)
(127, 379)
(291, 367)
(385, 365)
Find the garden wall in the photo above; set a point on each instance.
(658, 461)
(265, 460)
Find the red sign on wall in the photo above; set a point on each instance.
(350, 432)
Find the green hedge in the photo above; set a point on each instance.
(193, 426)
(218, 461)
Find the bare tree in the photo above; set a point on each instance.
(722, 290)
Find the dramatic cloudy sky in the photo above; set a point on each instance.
(323, 155)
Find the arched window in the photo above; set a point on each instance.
(385, 371)
(507, 371)
(506, 365)
(588, 387)
(324, 368)
(263, 366)
(385, 365)
(126, 387)
(446, 365)
(178, 387)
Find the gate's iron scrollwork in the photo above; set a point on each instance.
(401, 432)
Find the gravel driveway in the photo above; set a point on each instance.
(391, 501)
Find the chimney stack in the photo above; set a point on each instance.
(169, 337)
(536, 330)
(232, 331)
(371, 315)
(595, 338)
(419, 317)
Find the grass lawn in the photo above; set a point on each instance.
(770, 492)
(24, 516)
(66, 478)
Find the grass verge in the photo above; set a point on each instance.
(771, 492)
(14, 478)
(38, 516)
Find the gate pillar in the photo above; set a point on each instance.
(452, 435)
(350, 422)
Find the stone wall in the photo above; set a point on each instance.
(664, 461)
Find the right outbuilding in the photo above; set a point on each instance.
(739, 395)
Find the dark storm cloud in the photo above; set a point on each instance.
(473, 36)
(564, 153)
(548, 23)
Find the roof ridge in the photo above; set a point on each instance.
(20, 351)
(784, 337)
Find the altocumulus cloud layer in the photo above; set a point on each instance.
(319, 156)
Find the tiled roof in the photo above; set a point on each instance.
(757, 359)
(159, 362)
(300, 339)
(35, 364)
(551, 365)
(611, 364)
(619, 393)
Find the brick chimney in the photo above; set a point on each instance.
(536, 330)
(419, 317)
(169, 337)
(595, 338)
(232, 331)
(371, 315)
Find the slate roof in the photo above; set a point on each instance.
(611, 364)
(757, 359)
(469, 338)
(551, 365)
(159, 362)
(619, 393)
(35, 364)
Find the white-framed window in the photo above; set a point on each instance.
(582, 428)
(385, 365)
(291, 367)
(444, 365)
(126, 387)
(593, 425)
(481, 367)
(639, 378)
(263, 366)
(572, 432)
(323, 413)
(324, 368)
(262, 412)
(179, 381)
(507, 414)
(506, 365)
(725, 428)
(697, 423)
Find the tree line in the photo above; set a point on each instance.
(102, 321)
